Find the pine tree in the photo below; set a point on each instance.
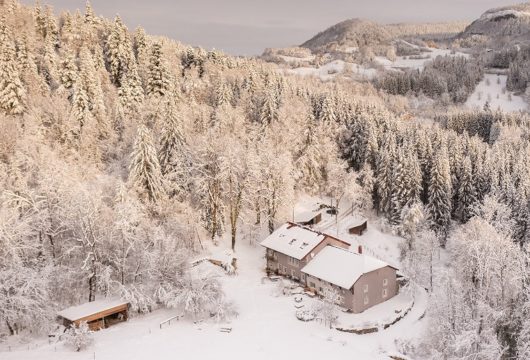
(80, 105)
(144, 168)
(268, 111)
(90, 17)
(467, 193)
(12, 91)
(68, 71)
(158, 82)
(439, 205)
(223, 94)
(171, 142)
(92, 84)
(119, 52)
(52, 31)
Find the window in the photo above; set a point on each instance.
(292, 273)
(385, 293)
(303, 277)
(385, 282)
(312, 285)
(293, 261)
(365, 288)
(366, 300)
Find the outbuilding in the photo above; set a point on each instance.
(308, 218)
(357, 225)
(98, 314)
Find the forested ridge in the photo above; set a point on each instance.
(122, 154)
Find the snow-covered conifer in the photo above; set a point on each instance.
(439, 205)
(12, 90)
(144, 169)
(158, 81)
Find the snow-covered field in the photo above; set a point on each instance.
(330, 70)
(333, 68)
(266, 327)
(407, 62)
(492, 89)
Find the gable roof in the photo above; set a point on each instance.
(293, 240)
(90, 308)
(341, 267)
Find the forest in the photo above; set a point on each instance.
(122, 154)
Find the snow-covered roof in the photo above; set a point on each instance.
(293, 240)
(354, 221)
(305, 216)
(87, 309)
(341, 267)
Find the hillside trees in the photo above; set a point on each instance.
(12, 90)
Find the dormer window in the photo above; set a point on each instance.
(292, 241)
(303, 245)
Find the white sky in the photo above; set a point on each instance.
(246, 27)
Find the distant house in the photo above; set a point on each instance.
(292, 246)
(98, 314)
(357, 225)
(323, 263)
(308, 218)
(361, 281)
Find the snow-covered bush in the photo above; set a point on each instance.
(198, 295)
(79, 337)
(305, 314)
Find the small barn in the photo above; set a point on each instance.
(357, 225)
(308, 218)
(98, 314)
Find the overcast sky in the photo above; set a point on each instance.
(246, 27)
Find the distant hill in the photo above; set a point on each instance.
(353, 33)
(512, 22)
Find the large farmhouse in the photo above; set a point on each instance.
(323, 263)
(292, 246)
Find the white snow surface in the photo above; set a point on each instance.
(293, 240)
(341, 267)
(408, 62)
(492, 89)
(90, 308)
(330, 70)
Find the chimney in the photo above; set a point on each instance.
(360, 249)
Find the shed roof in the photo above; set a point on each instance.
(341, 267)
(354, 221)
(91, 308)
(293, 240)
(306, 216)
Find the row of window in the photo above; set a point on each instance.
(384, 295)
(365, 287)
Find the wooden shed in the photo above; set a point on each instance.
(357, 225)
(98, 314)
(308, 218)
